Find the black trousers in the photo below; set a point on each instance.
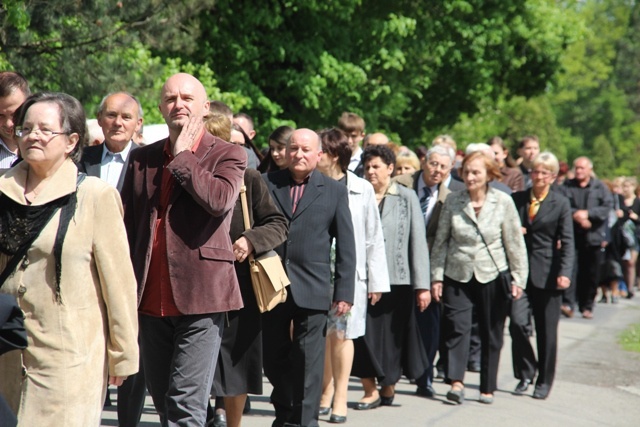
(459, 300)
(429, 327)
(474, 344)
(131, 395)
(520, 329)
(545, 306)
(294, 367)
(589, 260)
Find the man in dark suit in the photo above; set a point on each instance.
(120, 118)
(548, 233)
(178, 195)
(317, 208)
(431, 186)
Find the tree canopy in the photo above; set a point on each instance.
(475, 68)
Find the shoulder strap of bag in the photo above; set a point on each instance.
(245, 207)
(487, 246)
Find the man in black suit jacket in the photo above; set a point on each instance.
(550, 247)
(318, 210)
(120, 117)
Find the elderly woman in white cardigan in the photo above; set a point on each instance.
(392, 345)
(478, 236)
(372, 277)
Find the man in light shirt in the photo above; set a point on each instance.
(14, 89)
(353, 126)
(120, 117)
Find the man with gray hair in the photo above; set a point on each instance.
(14, 89)
(431, 186)
(120, 117)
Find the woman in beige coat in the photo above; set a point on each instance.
(64, 256)
(479, 235)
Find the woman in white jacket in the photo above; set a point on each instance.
(372, 277)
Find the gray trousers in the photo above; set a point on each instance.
(179, 354)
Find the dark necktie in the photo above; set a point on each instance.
(424, 200)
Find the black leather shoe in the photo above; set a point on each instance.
(247, 406)
(220, 420)
(440, 374)
(324, 411)
(363, 406)
(473, 367)
(541, 392)
(427, 391)
(338, 419)
(522, 387)
(386, 401)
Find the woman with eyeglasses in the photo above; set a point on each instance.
(547, 226)
(64, 256)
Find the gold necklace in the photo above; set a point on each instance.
(35, 193)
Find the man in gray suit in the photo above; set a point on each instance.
(120, 117)
(317, 208)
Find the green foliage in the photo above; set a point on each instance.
(591, 106)
(88, 49)
(566, 71)
(630, 338)
(403, 68)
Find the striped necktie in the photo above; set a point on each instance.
(424, 200)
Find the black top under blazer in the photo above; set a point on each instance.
(552, 223)
(322, 215)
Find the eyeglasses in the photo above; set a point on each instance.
(540, 172)
(436, 165)
(49, 134)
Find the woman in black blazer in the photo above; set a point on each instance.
(548, 234)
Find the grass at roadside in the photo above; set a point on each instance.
(630, 338)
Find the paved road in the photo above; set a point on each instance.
(597, 384)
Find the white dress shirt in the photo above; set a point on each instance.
(355, 159)
(7, 157)
(112, 164)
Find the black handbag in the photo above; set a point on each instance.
(504, 277)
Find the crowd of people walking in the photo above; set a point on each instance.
(131, 263)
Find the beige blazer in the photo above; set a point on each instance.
(459, 252)
(92, 333)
